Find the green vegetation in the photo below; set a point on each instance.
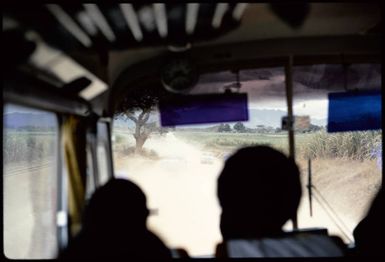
(119, 139)
(224, 128)
(359, 145)
(22, 146)
(239, 127)
(231, 141)
(31, 146)
(350, 145)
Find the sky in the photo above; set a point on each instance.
(315, 108)
(10, 108)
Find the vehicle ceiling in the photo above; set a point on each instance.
(265, 32)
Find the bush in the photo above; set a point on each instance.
(352, 145)
(22, 146)
(119, 139)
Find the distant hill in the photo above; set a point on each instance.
(123, 122)
(25, 119)
(319, 122)
(273, 118)
(266, 117)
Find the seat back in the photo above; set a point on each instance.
(312, 242)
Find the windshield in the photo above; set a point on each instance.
(178, 167)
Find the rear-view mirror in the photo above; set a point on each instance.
(353, 111)
(202, 109)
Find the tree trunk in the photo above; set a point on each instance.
(140, 137)
(141, 133)
(140, 140)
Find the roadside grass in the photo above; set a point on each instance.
(344, 165)
(347, 145)
(347, 185)
(225, 143)
(359, 145)
(362, 145)
(28, 146)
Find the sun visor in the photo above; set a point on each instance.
(353, 111)
(202, 109)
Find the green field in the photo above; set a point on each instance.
(351, 145)
(345, 169)
(348, 145)
(29, 146)
(20, 146)
(228, 142)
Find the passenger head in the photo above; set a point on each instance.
(368, 234)
(117, 206)
(114, 226)
(259, 190)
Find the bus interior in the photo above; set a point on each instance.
(163, 93)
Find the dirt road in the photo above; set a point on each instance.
(29, 210)
(181, 185)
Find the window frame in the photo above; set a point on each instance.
(61, 212)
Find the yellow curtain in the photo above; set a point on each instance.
(74, 144)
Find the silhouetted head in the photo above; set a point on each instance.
(114, 226)
(119, 206)
(368, 234)
(259, 190)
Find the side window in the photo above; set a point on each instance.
(30, 183)
(345, 167)
(178, 167)
(102, 150)
(102, 164)
(91, 183)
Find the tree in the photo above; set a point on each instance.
(227, 128)
(224, 128)
(239, 127)
(141, 133)
(137, 107)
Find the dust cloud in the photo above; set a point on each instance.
(181, 187)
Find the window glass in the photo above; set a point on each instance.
(345, 166)
(30, 183)
(177, 168)
(102, 164)
(90, 186)
(102, 156)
